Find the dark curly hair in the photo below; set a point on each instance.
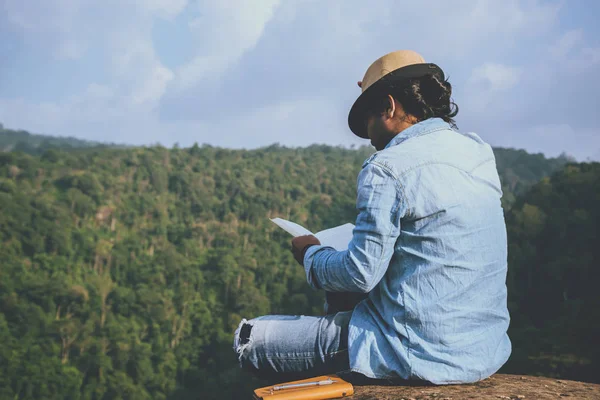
(425, 97)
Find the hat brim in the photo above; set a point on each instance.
(356, 117)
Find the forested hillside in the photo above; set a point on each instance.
(554, 270)
(125, 271)
(520, 170)
(11, 140)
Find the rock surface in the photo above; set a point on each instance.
(497, 387)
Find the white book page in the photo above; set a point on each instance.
(338, 237)
(291, 227)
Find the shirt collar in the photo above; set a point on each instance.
(421, 128)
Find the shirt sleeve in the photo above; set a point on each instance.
(361, 267)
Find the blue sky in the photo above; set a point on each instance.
(246, 74)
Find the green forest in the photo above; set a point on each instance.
(23, 141)
(125, 271)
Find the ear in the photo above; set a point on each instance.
(391, 109)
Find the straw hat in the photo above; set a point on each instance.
(391, 68)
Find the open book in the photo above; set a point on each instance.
(338, 237)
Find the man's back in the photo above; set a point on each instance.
(439, 312)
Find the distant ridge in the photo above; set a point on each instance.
(518, 169)
(31, 143)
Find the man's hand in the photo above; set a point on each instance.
(300, 244)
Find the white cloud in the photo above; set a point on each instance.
(487, 83)
(451, 30)
(495, 77)
(224, 31)
(154, 86)
(50, 25)
(566, 43)
(162, 8)
(59, 15)
(571, 51)
(139, 74)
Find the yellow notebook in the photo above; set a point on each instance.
(317, 388)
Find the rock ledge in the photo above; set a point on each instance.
(497, 387)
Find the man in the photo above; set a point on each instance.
(428, 257)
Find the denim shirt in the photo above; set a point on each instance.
(430, 248)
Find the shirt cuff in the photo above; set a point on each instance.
(308, 264)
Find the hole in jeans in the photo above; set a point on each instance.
(245, 333)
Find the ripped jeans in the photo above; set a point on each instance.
(286, 347)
